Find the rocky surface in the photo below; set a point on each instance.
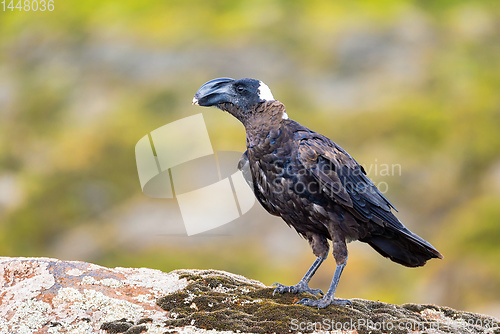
(41, 295)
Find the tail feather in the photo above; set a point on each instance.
(403, 247)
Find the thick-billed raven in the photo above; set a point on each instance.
(313, 184)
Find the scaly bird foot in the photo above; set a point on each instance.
(324, 302)
(297, 288)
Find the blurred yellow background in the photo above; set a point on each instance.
(409, 83)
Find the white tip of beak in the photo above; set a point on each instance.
(195, 101)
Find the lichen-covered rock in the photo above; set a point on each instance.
(40, 295)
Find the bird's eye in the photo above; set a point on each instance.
(240, 89)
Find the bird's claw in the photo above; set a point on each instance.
(324, 302)
(280, 288)
(297, 288)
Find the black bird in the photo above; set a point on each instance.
(313, 184)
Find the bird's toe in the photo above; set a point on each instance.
(324, 302)
(280, 288)
(312, 303)
(297, 288)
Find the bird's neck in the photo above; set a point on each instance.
(265, 123)
(262, 122)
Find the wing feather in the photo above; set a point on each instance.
(244, 167)
(345, 181)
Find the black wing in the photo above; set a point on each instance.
(344, 180)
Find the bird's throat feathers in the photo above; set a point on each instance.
(259, 120)
(268, 114)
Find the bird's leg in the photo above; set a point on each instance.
(303, 285)
(329, 297)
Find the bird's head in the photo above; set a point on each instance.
(238, 97)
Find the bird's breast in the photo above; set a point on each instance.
(282, 180)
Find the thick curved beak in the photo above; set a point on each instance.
(213, 92)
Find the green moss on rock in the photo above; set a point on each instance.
(220, 301)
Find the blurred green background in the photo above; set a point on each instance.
(408, 83)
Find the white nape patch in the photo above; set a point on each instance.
(265, 93)
(284, 116)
